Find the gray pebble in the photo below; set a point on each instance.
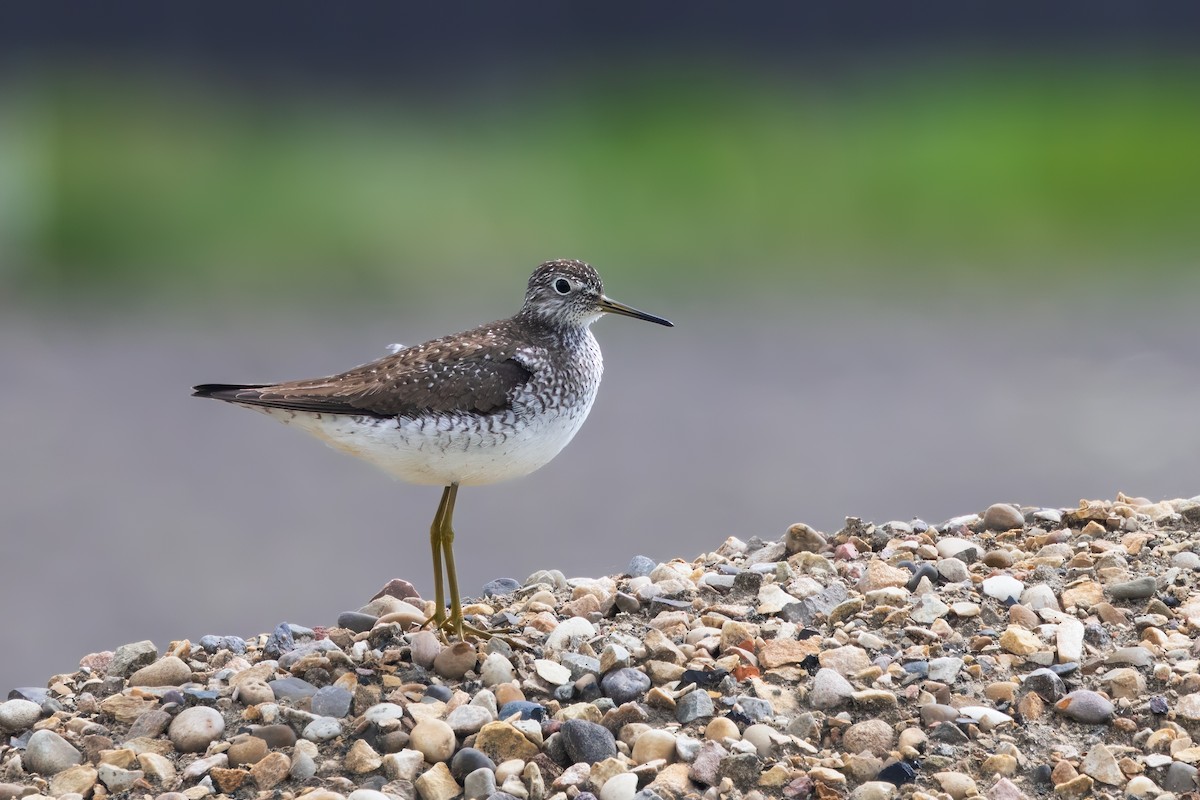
(953, 570)
(829, 689)
(292, 688)
(1135, 589)
(468, 760)
(693, 706)
(479, 784)
(322, 729)
(580, 665)
(130, 657)
(640, 566)
(756, 708)
(280, 641)
(47, 753)
(587, 742)
(1180, 777)
(331, 701)
(500, 587)
(625, 685)
(306, 649)
(18, 715)
(1046, 683)
(1086, 706)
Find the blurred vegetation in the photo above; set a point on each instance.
(946, 172)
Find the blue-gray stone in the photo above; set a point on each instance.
(435, 691)
(755, 707)
(693, 706)
(33, 694)
(500, 586)
(1180, 777)
(292, 688)
(640, 566)
(525, 708)
(467, 760)
(197, 695)
(213, 644)
(280, 641)
(331, 701)
(587, 742)
(625, 685)
(1046, 683)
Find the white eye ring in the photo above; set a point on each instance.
(562, 286)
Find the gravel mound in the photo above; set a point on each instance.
(1014, 653)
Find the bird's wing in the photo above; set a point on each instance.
(466, 374)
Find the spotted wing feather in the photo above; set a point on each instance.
(472, 373)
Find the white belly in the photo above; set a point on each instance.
(445, 450)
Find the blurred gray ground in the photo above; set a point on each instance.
(129, 510)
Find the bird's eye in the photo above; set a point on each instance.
(562, 286)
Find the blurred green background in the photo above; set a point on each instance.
(921, 259)
(952, 170)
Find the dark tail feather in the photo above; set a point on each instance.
(225, 391)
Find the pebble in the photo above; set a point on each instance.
(19, 714)
(619, 787)
(467, 719)
(468, 760)
(1004, 588)
(829, 689)
(587, 742)
(479, 784)
(322, 729)
(193, 729)
(869, 736)
(693, 706)
(292, 688)
(456, 660)
(434, 739)
(1002, 517)
(47, 753)
(167, 671)
(625, 685)
(1136, 589)
(331, 701)
(130, 657)
(1086, 706)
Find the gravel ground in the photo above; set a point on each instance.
(1013, 653)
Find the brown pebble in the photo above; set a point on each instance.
(456, 660)
(276, 736)
(246, 749)
(228, 780)
(1063, 771)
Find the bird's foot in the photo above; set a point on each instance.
(449, 627)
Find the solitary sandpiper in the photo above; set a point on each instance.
(490, 404)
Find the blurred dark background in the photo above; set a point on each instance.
(921, 259)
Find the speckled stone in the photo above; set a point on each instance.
(193, 729)
(586, 742)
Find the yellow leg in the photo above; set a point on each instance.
(456, 614)
(441, 539)
(435, 544)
